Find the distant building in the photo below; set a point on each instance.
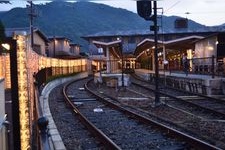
(75, 48)
(113, 44)
(60, 47)
(40, 40)
(213, 45)
(138, 46)
(134, 43)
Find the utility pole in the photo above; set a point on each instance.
(31, 15)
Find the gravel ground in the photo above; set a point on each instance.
(73, 133)
(211, 130)
(126, 132)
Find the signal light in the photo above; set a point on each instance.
(144, 9)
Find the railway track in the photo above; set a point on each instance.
(74, 134)
(205, 106)
(119, 128)
(206, 125)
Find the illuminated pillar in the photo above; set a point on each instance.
(20, 100)
(1, 66)
(23, 93)
(7, 72)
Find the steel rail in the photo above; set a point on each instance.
(188, 92)
(187, 102)
(197, 143)
(93, 129)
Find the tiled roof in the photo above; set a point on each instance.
(10, 32)
(127, 48)
(59, 38)
(148, 32)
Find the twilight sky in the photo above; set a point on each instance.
(207, 12)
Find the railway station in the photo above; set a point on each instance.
(131, 91)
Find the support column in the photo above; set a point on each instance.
(164, 56)
(164, 53)
(108, 60)
(153, 62)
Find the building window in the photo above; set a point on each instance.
(37, 48)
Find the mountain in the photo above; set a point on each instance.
(74, 20)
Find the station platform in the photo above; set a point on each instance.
(204, 84)
(112, 79)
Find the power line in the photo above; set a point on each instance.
(197, 12)
(172, 6)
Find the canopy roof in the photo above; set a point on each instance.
(114, 47)
(176, 44)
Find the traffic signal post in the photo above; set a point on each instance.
(144, 9)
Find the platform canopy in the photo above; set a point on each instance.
(183, 43)
(114, 47)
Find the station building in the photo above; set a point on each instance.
(136, 49)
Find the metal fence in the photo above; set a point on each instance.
(39, 127)
(208, 66)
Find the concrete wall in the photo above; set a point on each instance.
(55, 138)
(203, 84)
